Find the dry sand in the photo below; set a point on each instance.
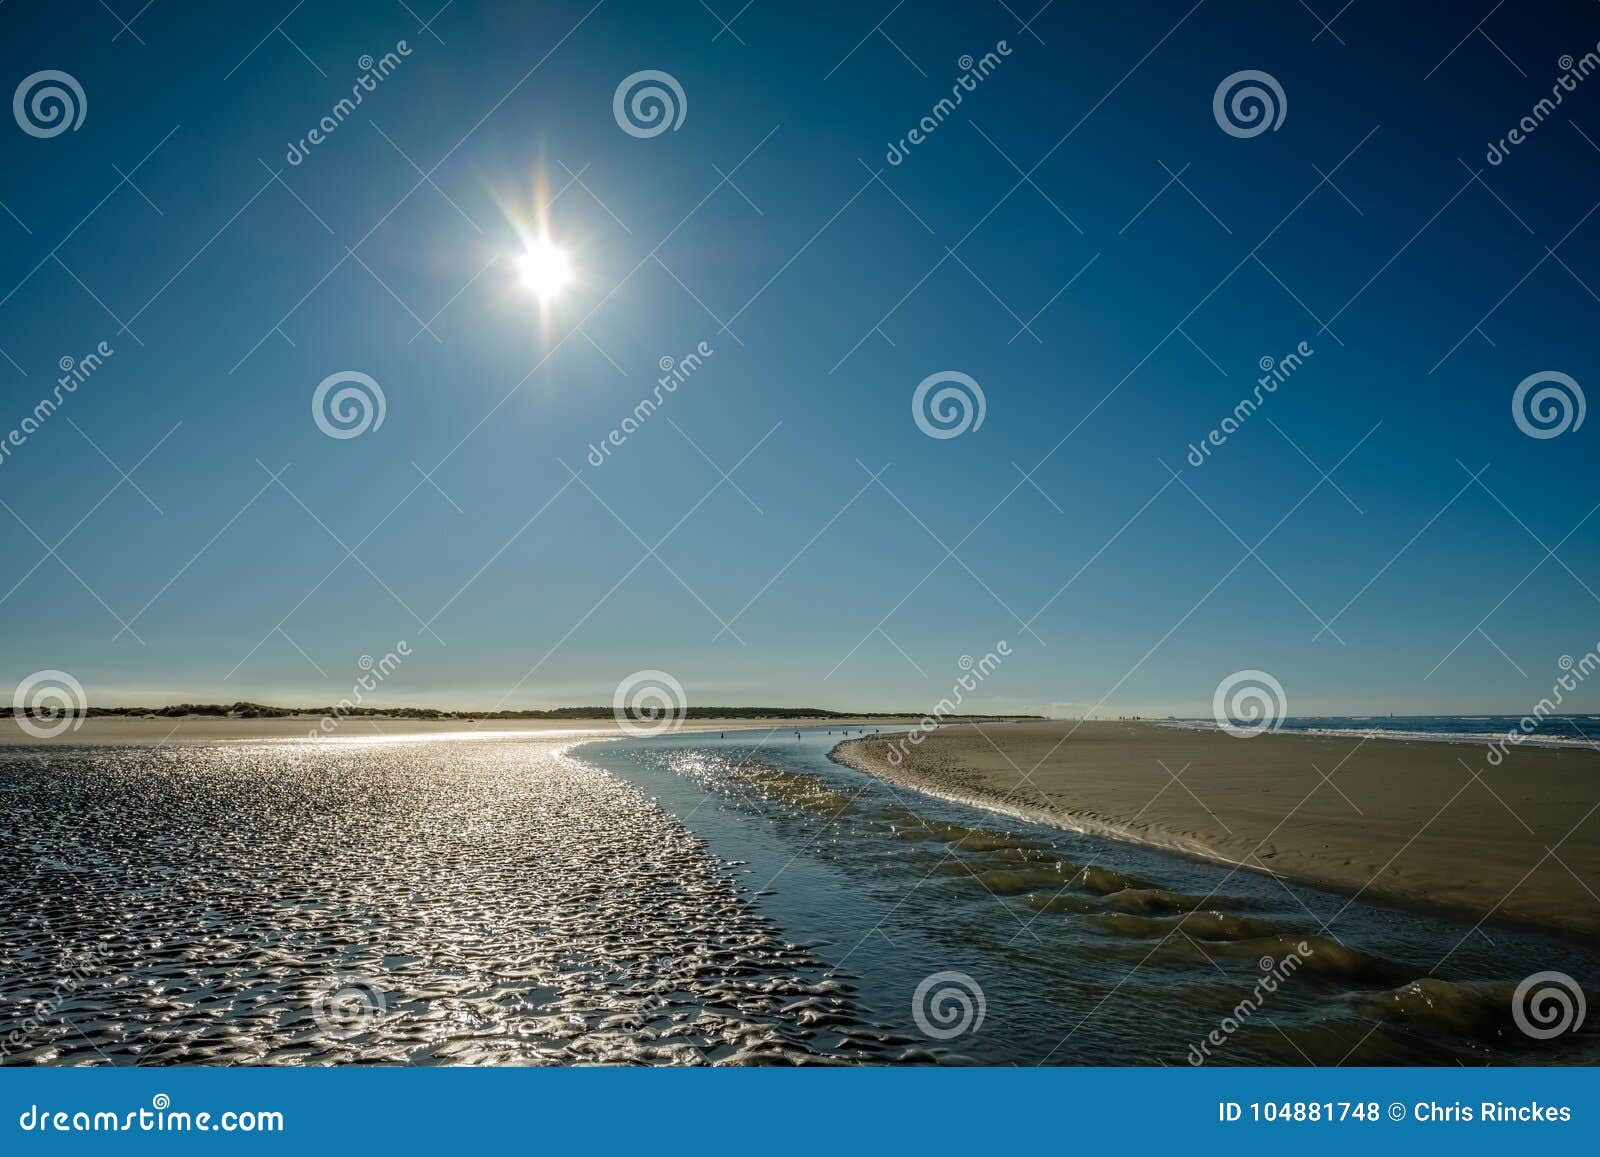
(1395, 820)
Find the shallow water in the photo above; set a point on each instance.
(1086, 950)
(683, 899)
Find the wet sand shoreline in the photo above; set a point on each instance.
(1400, 822)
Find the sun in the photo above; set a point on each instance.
(544, 269)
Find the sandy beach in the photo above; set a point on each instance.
(221, 891)
(1399, 821)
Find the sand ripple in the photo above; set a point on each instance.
(388, 902)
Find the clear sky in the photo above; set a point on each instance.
(1079, 235)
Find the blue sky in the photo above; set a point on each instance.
(821, 290)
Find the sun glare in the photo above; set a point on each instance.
(544, 269)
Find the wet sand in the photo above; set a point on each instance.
(480, 901)
(1395, 820)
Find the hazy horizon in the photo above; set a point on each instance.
(602, 702)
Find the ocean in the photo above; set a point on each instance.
(1551, 731)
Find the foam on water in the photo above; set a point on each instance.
(1558, 731)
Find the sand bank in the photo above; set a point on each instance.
(1394, 820)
